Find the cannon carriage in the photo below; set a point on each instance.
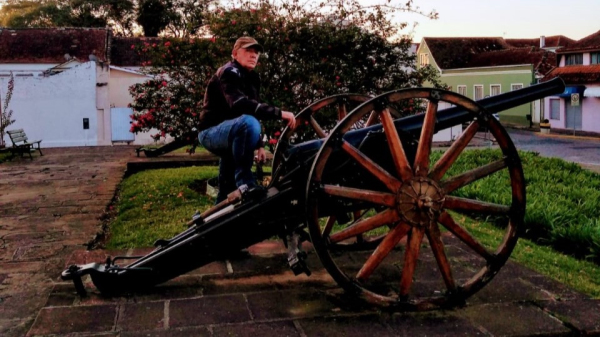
(371, 185)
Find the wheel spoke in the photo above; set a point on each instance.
(424, 149)
(383, 250)
(468, 177)
(317, 127)
(410, 260)
(342, 112)
(437, 246)
(373, 118)
(446, 220)
(463, 204)
(386, 217)
(444, 163)
(396, 148)
(391, 182)
(328, 226)
(379, 198)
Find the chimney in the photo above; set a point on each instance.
(542, 41)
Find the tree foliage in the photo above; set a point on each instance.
(310, 52)
(117, 14)
(176, 18)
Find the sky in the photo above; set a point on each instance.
(574, 19)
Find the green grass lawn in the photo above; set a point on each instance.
(563, 199)
(156, 204)
(563, 208)
(583, 276)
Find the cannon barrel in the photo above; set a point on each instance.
(451, 116)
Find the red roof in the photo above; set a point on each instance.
(39, 45)
(591, 42)
(576, 74)
(550, 42)
(455, 53)
(542, 60)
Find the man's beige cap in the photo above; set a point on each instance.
(247, 42)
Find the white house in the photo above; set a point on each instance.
(66, 91)
(578, 108)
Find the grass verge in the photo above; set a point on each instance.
(156, 204)
(563, 199)
(583, 276)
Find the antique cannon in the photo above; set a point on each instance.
(368, 185)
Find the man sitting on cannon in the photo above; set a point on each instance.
(229, 121)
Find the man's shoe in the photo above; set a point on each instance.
(254, 193)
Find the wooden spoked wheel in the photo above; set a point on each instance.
(429, 229)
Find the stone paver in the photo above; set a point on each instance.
(51, 210)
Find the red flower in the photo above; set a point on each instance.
(337, 78)
(277, 133)
(272, 141)
(168, 43)
(233, 22)
(164, 83)
(132, 46)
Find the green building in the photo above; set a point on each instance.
(488, 66)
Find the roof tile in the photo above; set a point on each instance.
(39, 45)
(590, 42)
(576, 74)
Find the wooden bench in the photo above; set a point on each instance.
(22, 145)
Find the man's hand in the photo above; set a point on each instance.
(289, 118)
(261, 156)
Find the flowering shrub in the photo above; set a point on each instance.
(310, 53)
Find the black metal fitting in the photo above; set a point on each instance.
(296, 256)
(381, 103)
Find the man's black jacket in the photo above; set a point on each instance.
(232, 92)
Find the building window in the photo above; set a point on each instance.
(516, 86)
(462, 90)
(555, 109)
(495, 89)
(423, 59)
(477, 92)
(595, 58)
(573, 59)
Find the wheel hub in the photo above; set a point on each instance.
(420, 201)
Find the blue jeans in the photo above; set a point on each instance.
(233, 140)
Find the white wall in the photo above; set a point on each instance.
(52, 108)
(120, 81)
(448, 134)
(590, 112)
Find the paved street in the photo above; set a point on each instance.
(585, 151)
